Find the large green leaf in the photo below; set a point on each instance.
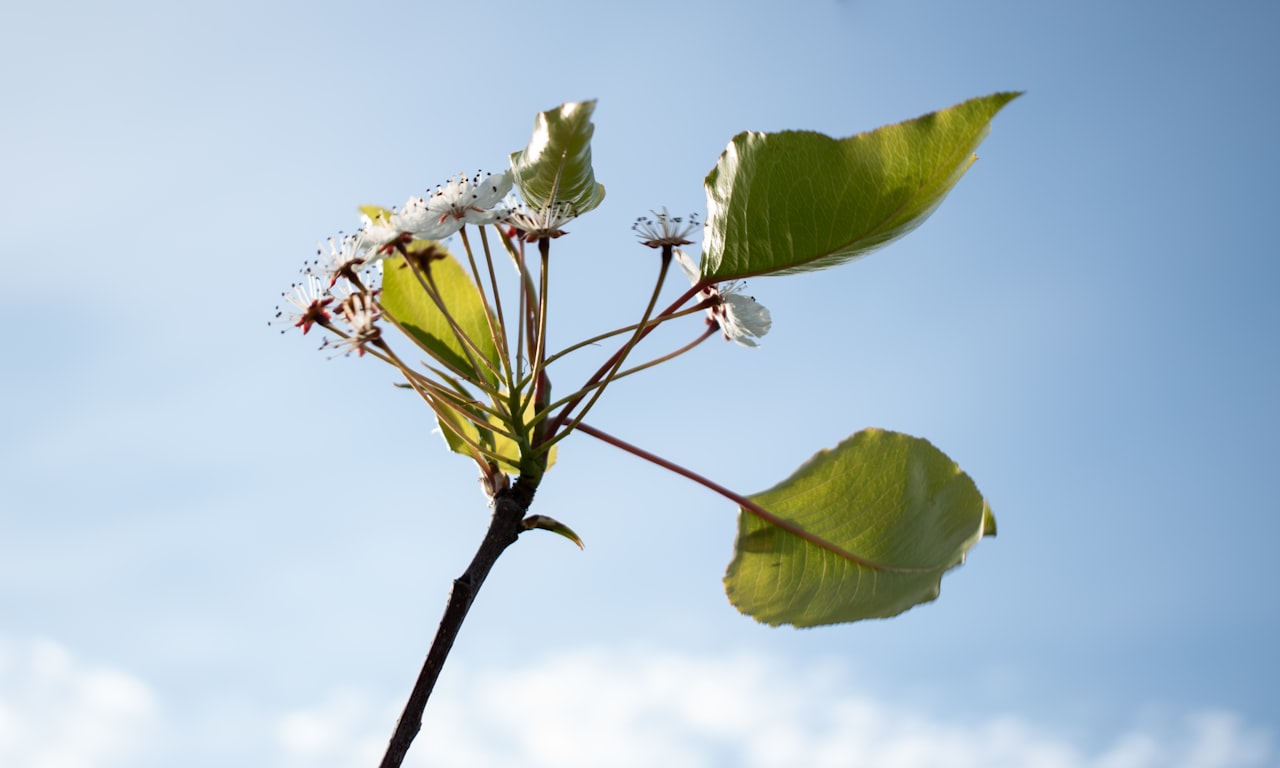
(874, 524)
(404, 297)
(798, 201)
(556, 166)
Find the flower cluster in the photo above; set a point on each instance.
(477, 367)
(344, 272)
(462, 200)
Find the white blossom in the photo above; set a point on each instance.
(311, 303)
(463, 200)
(544, 223)
(741, 318)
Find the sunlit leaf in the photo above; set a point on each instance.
(556, 166)
(797, 201)
(884, 516)
(405, 298)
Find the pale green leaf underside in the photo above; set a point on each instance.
(557, 162)
(797, 201)
(890, 499)
(404, 297)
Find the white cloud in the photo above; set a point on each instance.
(620, 709)
(56, 712)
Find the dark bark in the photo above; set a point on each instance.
(505, 527)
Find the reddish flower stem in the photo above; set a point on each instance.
(745, 503)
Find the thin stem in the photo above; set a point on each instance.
(496, 334)
(526, 311)
(568, 429)
(746, 503)
(503, 340)
(619, 331)
(522, 310)
(453, 369)
(505, 527)
(544, 280)
(616, 332)
(541, 384)
(455, 392)
(621, 356)
(436, 396)
(563, 416)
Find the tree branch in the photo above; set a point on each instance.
(505, 527)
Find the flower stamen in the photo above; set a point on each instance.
(545, 223)
(312, 303)
(361, 313)
(665, 230)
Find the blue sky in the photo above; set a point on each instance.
(218, 547)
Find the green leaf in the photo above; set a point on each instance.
(796, 201)
(405, 299)
(551, 524)
(556, 166)
(883, 516)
